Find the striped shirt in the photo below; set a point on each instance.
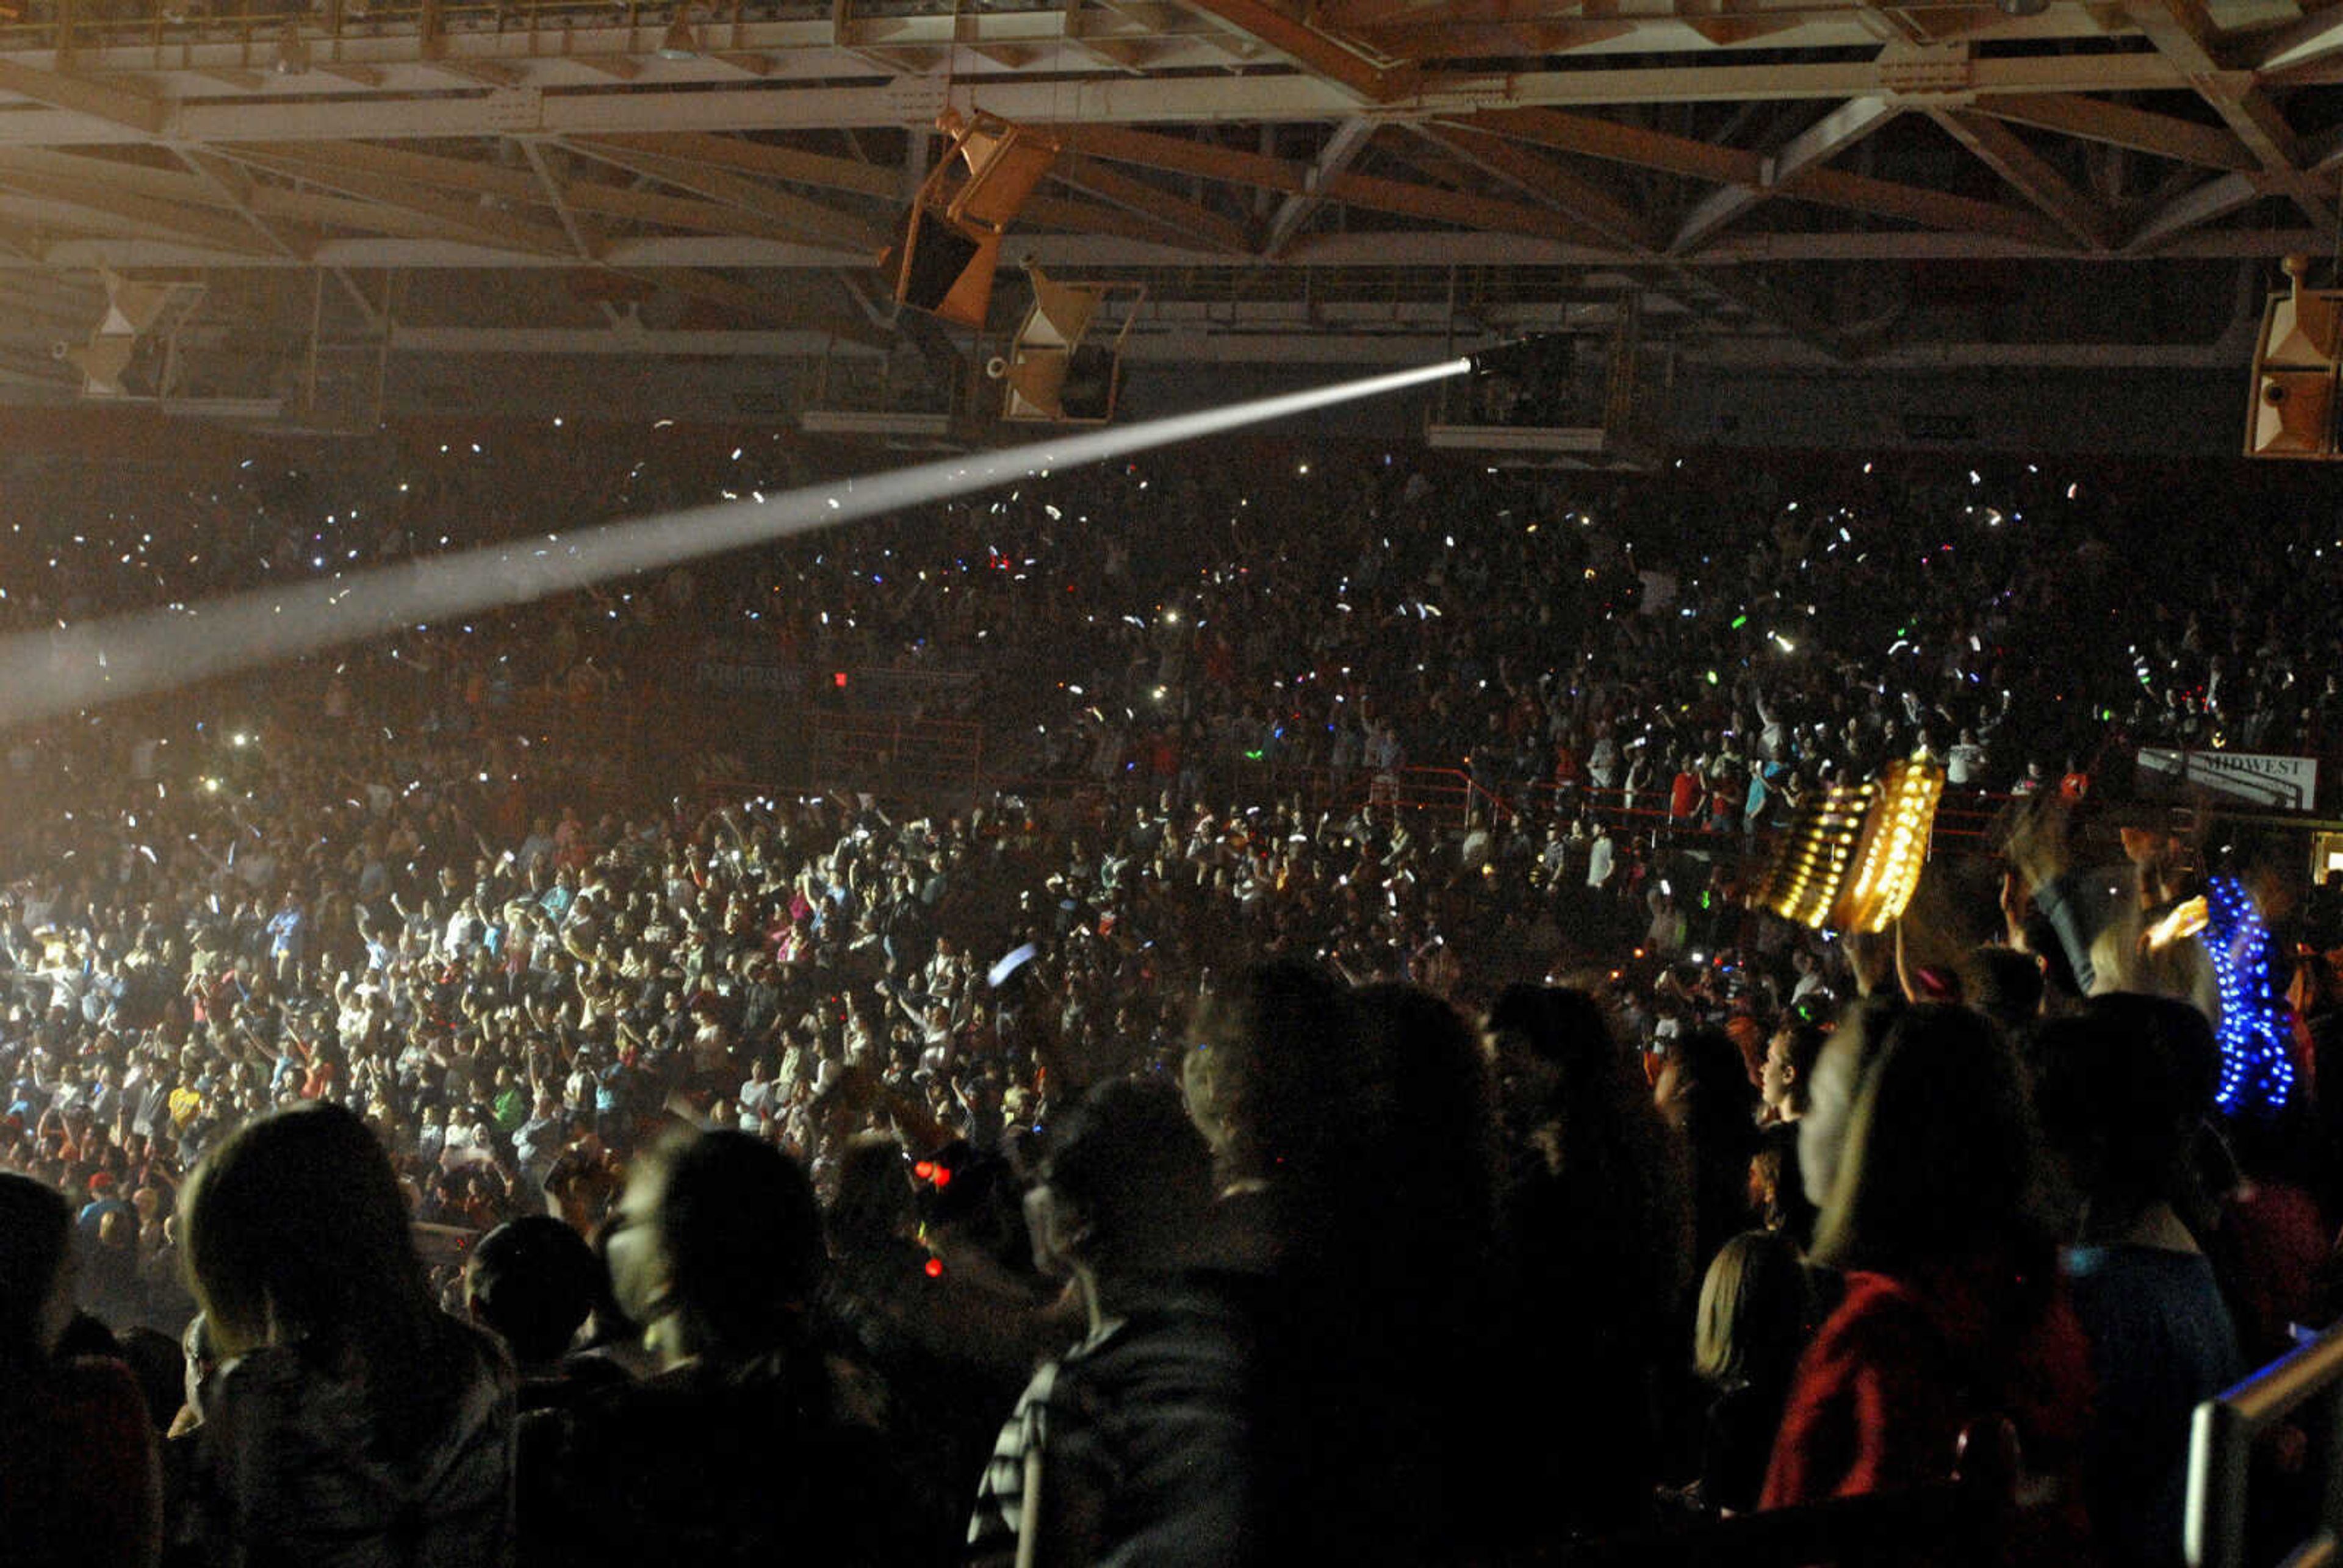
(1142, 1433)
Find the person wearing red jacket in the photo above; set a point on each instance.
(1953, 1311)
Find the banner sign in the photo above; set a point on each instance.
(740, 675)
(2279, 783)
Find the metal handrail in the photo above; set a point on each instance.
(2221, 1451)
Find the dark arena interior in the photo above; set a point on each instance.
(1186, 783)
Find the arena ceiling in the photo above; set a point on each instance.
(1763, 182)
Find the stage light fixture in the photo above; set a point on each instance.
(1516, 353)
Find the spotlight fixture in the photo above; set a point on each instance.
(1515, 352)
(681, 40)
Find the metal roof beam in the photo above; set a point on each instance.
(1334, 159)
(80, 96)
(233, 186)
(1190, 346)
(618, 109)
(1457, 207)
(764, 160)
(2184, 32)
(2312, 37)
(2121, 126)
(1183, 154)
(1542, 179)
(2000, 149)
(2216, 198)
(792, 212)
(343, 167)
(1805, 153)
(1328, 58)
(1048, 211)
(1592, 136)
(1095, 179)
(197, 225)
(1928, 208)
(759, 305)
(582, 238)
(122, 246)
(1372, 192)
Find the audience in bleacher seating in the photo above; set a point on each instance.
(1215, 1146)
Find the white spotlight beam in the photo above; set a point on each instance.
(72, 668)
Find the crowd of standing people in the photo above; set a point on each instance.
(523, 1161)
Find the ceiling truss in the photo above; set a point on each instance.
(1747, 170)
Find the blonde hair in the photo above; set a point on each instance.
(1753, 1310)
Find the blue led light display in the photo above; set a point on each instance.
(2257, 1063)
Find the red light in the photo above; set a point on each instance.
(925, 1169)
(935, 1267)
(943, 1175)
(837, 679)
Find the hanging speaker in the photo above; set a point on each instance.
(951, 242)
(102, 363)
(2295, 369)
(1062, 312)
(1036, 382)
(2304, 328)
(1005, 162)
(944, 269)
(2293, 414)
(1065, 362)
(1093, 372)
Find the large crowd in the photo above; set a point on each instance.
(1367, 1181)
